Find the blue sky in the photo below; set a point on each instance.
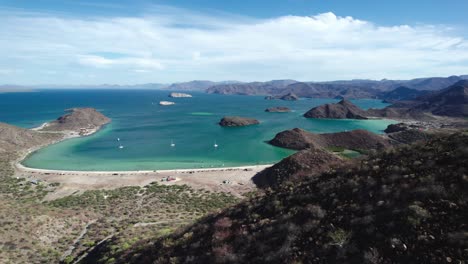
(128, 42)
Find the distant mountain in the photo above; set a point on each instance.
(333, 89)
(196, 85)
(251, 88)
(14, 88)
(402, 93)
(452, 101)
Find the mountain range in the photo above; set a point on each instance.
(331, 89)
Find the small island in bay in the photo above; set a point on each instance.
(166, 103)
(284, 97)
(278, 109)
(180, 95)
(237, 121)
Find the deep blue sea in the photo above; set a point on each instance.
(146, 129)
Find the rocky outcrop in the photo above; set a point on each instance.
(392, 128)
(236, 121)
(289, 97)
(299, 139)
(305, 163)
(179, 95)
(341, 110)
(278, 109)
(78, 119)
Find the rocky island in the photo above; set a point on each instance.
(278, 109)
(285, 97)
(85, 121)
(341, 110)
(180, 95)
(237, 121)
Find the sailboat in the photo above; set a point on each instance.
(215, 145)
(172, 144)
(120, 144)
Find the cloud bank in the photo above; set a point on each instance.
(169, 45)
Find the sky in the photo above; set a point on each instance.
(165, 41)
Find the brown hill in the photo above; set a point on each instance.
(78, 118)
(340, 110)
(305, 163)
(299, 139)
(14, 138)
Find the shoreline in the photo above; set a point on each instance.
(234, 180)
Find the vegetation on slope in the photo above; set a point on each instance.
(35, 231)
(406, 205)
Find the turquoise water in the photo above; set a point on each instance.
(146, 129)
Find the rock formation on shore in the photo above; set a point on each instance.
(236, 121)
(278, 109)
(299, 139)
(180, 95)
(77, 119)
(341, 110)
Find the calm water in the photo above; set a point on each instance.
(146, 130)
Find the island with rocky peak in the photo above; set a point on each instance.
(341, 110)
(85, 121)
(278, 109)
(237, 121)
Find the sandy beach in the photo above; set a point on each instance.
(235, 180)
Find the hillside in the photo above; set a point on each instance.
(401, 206)
(305, 163)
(402, 93)
(14, 138)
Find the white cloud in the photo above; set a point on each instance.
(168, 45)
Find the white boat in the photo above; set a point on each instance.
(215, 145)
(172, 144)
(166, 103)
(121, 147)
